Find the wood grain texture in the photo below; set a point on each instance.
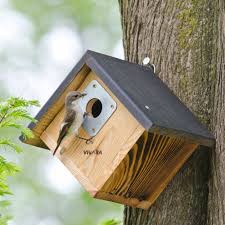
(114, 140)
(216, 203)
(135, 166)
(146, 170)
(185, 40)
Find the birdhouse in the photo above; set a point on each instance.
(141, 132)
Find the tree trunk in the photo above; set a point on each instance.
(185, 40)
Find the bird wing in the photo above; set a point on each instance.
(67, 122)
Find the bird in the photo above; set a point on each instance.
(73, 118)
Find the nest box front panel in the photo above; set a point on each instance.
(93, 164)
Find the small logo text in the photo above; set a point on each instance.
(92, 152)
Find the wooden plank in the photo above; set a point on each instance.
(117, 198)
(147, 169)
(114, 141)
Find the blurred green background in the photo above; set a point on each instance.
(40, 42)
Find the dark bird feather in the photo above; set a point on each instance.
(68, 120)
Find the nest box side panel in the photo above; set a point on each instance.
(146, 170)
(93, 164)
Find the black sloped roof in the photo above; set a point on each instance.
(150, 101)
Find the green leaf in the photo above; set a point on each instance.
(15, 109)
(111, 222)
(9, 143)
(26, 132)
(11, 111)
(7, 168)
(5, 219)
(4, 203)
(4, 189)
(21, 102)
(19, 114)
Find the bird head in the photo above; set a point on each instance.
(73, 96)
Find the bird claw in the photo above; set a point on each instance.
(87, 114)
(89, 141)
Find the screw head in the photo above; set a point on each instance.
(94, 85)
(93, 129)
(112, 106)
(147, 107)
(146, 61)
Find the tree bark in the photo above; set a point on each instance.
(185, 40)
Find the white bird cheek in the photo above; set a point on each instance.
(74, 104)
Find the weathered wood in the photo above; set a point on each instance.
(138, 165)
(114, 140)
(216, 203)
(146, 170)
(147, 161)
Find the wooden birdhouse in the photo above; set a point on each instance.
(142, 133)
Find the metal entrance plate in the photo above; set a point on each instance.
(101, 105)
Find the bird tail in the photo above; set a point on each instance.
(57, 146)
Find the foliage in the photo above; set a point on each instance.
(35, 189)
(4, 219)
(12, 113)
(80, 15)
(111, 222)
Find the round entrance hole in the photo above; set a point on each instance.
(94, 107)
